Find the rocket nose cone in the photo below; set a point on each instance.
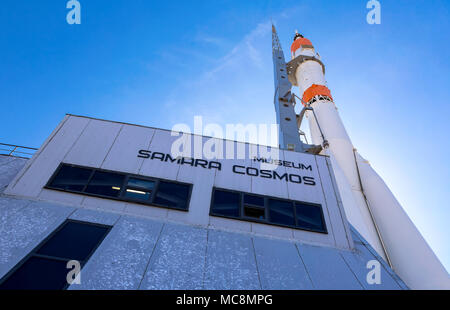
(299, 42)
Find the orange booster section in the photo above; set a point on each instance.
(307, 61)
(316, 90)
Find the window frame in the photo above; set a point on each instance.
(121, 196)
(35, 250)
(253, 206)
(136, 200)
(267, 221)
(94, 170)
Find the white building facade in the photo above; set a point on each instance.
(157, 221)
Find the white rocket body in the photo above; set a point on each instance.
(340, 151)
(380, 220)
(410, 254)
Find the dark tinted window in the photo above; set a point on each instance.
(137, 194)
(141, 184)
(226, 203)
(74, 241)
(172, 195)
(121, 186)
(106, 184)
(46, 266)
(254, 200)
(139, 189)
(257, 213)
(309, 217)
(71, 178)
(38, 273)
(281, 212)
(267, 210)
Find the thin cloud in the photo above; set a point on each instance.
(208, 39)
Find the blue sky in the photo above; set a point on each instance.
(159, 63)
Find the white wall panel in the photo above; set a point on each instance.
(303, 192)
(178, 260)
(123, 155)
(229, 224)
(271, 230)
(327, 268)
(94, 144)
(280, 266)
(314, 237)
(162, 143)
(202, 180)
(38, 152)
(228, 179)
(308, 193)
(230, 262)
(59, 196)
(145, 211)
(98, 217)
(103, 204)
(268, 186)
(37, 174)
(336, 215)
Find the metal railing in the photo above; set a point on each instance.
(17, 150)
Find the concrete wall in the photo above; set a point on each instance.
(9, 167)
(140, 253)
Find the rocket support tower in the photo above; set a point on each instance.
(284, 102)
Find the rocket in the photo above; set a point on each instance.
(370, 206)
